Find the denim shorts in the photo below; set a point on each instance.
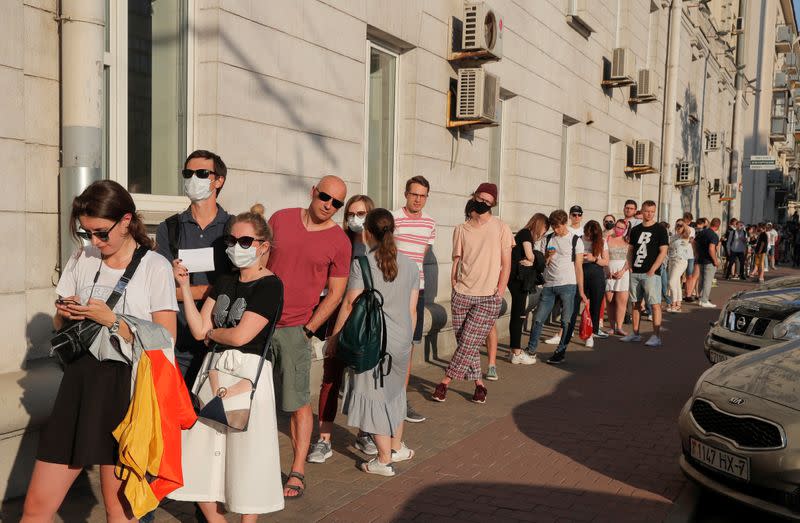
(689, 266)
(645, 287)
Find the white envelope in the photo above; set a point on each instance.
(197, 260)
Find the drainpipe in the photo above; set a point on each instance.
(666, 188)
(738, 110)
(82, 48)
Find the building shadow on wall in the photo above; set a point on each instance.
(38, 385)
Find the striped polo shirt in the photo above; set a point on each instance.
(413, 234)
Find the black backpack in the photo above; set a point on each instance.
(362, 340)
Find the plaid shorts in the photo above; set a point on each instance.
(473, 318)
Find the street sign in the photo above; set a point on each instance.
(763, 163)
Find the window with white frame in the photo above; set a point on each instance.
(381, 124)
(147, 124)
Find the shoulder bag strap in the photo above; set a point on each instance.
(174, 233)
(138, 254)
(267, 345)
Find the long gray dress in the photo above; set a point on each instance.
(370, 407)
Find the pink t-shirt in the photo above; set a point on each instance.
(413, 234)
(304, 260)
(480, 250)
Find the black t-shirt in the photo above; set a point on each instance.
(761, 243)
(704, 239)
(234, 298)
(518, 252)
(646, 242)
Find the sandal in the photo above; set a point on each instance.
(299, 490)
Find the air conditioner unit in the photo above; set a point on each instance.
(646, 86)
(478, 95)
(623, 65)
(781, 80)
(685, 173)
(645, 154)
(715, 187)
(738, 26)
(783, 39)
(729, 192)
(483, 29)
(712, 141)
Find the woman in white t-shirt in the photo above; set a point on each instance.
(680, 250)
(94, 395)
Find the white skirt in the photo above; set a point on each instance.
(620, 285)
(242, 470)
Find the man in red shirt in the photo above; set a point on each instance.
(309, 253)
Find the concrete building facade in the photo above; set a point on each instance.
(289, 90)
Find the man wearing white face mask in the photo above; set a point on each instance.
(199, 227)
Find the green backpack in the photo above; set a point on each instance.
(362, 340)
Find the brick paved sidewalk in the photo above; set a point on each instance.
(591, 440)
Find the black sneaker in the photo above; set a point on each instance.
(412, 416)
(556, 358)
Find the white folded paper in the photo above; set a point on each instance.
(197, 260)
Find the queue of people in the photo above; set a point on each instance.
(241, 297)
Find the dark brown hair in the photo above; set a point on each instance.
(108, 200)
(593, 230)
(380, 224)
(420, 180)
(255, 217)
(220, 169)
(368, 203)
(536, 220)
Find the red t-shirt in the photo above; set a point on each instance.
(304, 260)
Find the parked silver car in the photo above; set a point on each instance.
(740, 430)
(756, 319)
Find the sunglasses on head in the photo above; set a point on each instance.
(337, 204)
(100, 235)
(360, 214)
(245, 241)
(200, 173)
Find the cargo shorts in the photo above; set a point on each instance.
(291, 361)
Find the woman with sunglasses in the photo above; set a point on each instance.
(237, 470)
(94, 395)
(617, 280)
(355, 214)
(680, 250)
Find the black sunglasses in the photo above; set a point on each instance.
(245, 241)
(100, 235)
(337, 204)
(577, 214)
(200, 173)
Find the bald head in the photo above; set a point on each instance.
(326, 198)
(334, 186)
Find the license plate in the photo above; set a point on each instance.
(726, 462)
(716, 357)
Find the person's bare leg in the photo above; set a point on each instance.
(621, 299)
(657, 313)
(384, 444)
(397, 439)
(49, 485)
(249, 518)
(325, 430)
(302, 424)
(610, 310)
(117, 508)
(491, 346)
(636, 316)
(213, 511)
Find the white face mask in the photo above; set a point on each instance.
(356, 223)
(197, 189)
(242, 257)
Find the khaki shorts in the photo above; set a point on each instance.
(291, 359)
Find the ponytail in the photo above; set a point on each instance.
(380, 224)
(137, 230)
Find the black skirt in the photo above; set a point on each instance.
(92, 400)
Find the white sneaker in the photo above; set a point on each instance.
(404, 454)
(654, 341)
(589, 342)
(554, 340)
(631, 337)
(523, 358)
(374, 466)
(707, 305)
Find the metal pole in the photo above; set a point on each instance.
(734, 176)
(83, 48)
(666, 187)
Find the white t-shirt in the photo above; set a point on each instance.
(577, 231)
(151, 289)
(561, 269)
(692, 234)
(772, 235)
